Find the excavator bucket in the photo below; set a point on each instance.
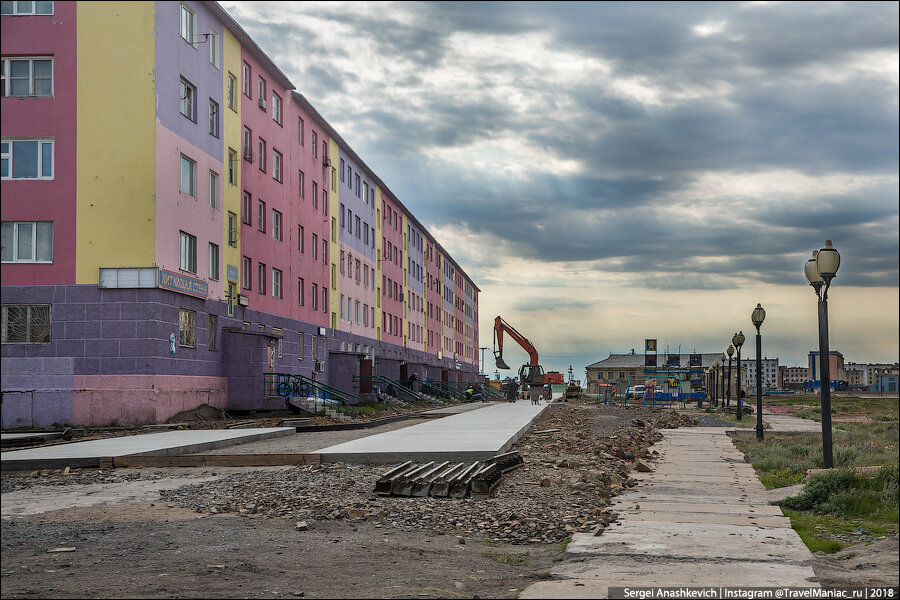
(501, 364)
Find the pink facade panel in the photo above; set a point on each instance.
(43, 37)
(392, 257)
(103, 400)
(192, 214)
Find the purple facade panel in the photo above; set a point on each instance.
(343, 371)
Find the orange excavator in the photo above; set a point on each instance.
(531, 374)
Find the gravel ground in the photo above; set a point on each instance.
(709, 420)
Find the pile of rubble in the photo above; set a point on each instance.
(576, 457)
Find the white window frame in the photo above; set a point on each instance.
(261, 90)
(231, 92)
(300, 284)
(188, 25)
(6, 88)
(13, 227)
(193, 176)
(276, 108)
(17, 13)
(276, 225)
(213, 118)
(214, 189)
(213, 39)
(276, 283)
(232, 166)
(7, 158)
(246, 273)
(262, 155)
(276, 165)
(187, 260)
(188, 100)
(245, 84)
(261, 215)
(213, 261)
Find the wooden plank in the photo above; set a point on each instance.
(211, 460)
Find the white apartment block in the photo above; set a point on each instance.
(795, 375)
(769, 372)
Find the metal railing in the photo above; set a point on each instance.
(292, 385)
(445, 390)
(388, 385)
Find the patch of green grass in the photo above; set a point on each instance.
(506, 558)
(564, 545)
(729, 416)
(830, 533)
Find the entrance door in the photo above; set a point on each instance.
(365, 376)
(404, 371)
(445, 376)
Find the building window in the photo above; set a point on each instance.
(246, 209)
(261, 216)
(27, 8)
(188, 98)
(314, 142)
(248, 145)
(276, 283)
(246, 83)
(213, 118)
(315, 246)
(357, 190)
(26, 323)
(300, 130)
(232, 92)
(342, 170)
(26, 77)
(276, 108)
(277, 331)
(214, 262)
(261, 276)
(276, 225)
(28, 241)
(213, 189)
(300, 182)
(26, 159)
(185, 328)
(213, 331)
(324, 202)
(315, 297)
(315, 195)
(261, 92)
(232, 166)
(188, 176)
(188, 255)
(188, 24)
(300, 296)
(232, 229)
(213, 40)
(276, 165)
(247, 282)
(300, 232)
(262, 155)
(324, 252)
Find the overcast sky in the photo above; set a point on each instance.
(611, 172)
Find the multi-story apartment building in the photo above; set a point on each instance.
(793, 377)
(178, 220)
(835, 366)
(770, 373)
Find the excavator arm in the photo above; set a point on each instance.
(499, 327)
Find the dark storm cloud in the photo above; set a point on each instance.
(781, 87)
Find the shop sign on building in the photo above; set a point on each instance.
(176, 282)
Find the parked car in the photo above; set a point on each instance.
(634, 392)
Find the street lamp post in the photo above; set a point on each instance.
(758, 316)
(730, 352)
(722, 391)
(820, 270)
(738, 341)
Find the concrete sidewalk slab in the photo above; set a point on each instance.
(700, 518)
(87, 454)
(469, 436)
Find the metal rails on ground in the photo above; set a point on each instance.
(446, 479)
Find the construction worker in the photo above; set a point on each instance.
(469, 392)
(512, 390)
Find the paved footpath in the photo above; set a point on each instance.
(468, 436)
(699, 519)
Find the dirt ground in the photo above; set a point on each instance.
(158, 534)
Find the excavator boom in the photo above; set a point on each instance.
(531, 373)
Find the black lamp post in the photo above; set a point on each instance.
(730, 352)
(758, 316)
(738, 341)
(722, 391)
(820, 270)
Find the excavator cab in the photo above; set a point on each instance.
(531, 374)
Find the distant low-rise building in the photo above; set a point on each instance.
(793, 377)
(835, 366)
(770, 372)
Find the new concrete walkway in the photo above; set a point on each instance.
(468, 436)
(87, 454)
(699, 519)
